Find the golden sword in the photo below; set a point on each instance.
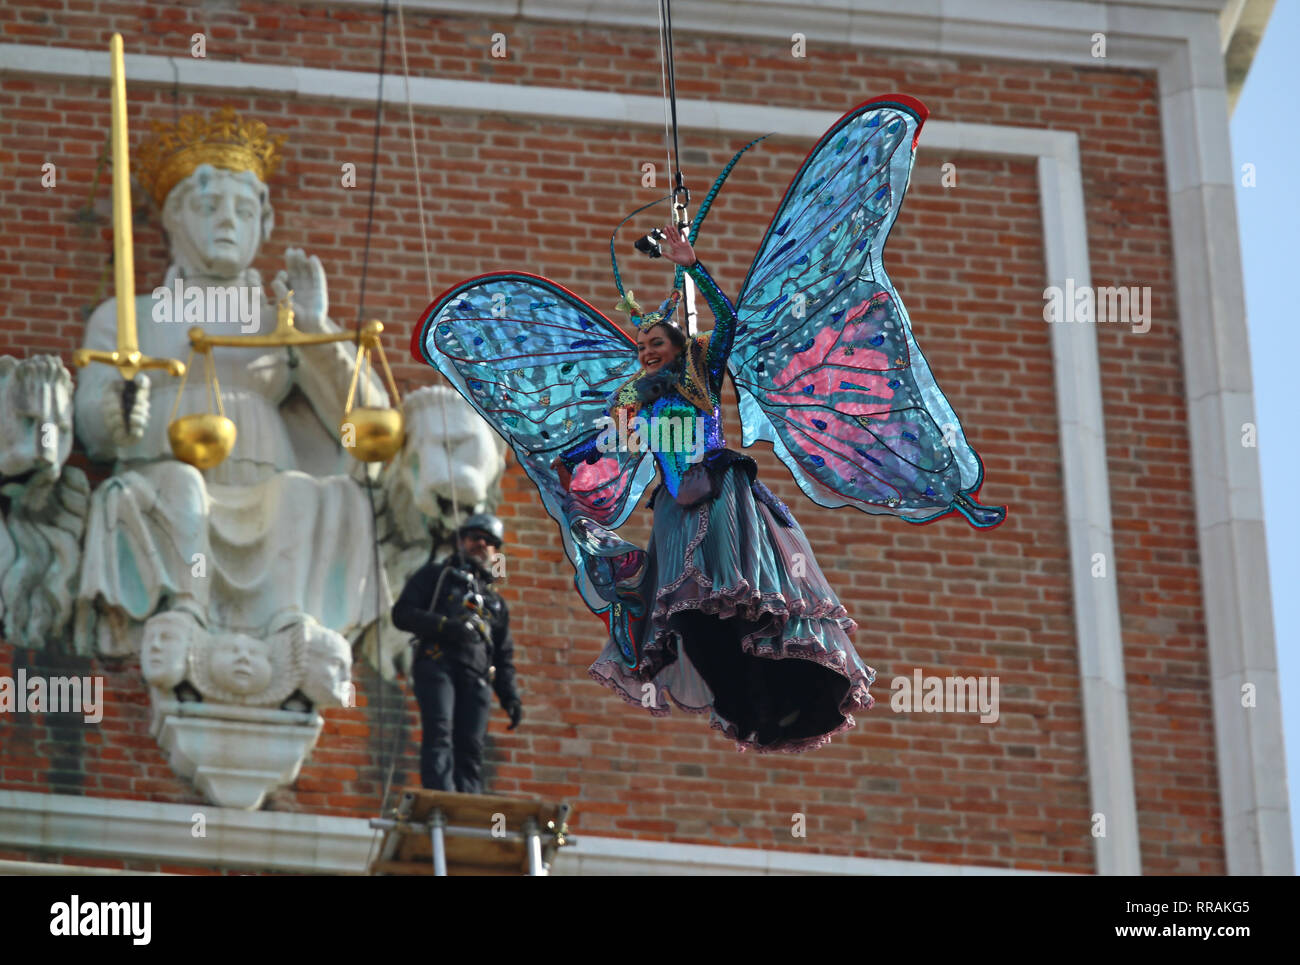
(126, 358)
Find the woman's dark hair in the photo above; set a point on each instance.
(675, 335)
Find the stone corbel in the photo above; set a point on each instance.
(235, 756)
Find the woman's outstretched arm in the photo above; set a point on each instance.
(679, 251)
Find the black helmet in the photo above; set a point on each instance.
(486, 523)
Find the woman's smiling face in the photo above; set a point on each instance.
(654, 349)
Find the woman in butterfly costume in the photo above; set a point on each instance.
(726, 611)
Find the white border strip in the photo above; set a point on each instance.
(480, 97)
(1184, 46)
(1084, 472)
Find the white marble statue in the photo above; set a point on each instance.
(44, 503)
(244, 587)
(255, 545)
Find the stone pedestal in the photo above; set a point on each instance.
(234, 755)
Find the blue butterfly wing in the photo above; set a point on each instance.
(825, 363)
(538, 364)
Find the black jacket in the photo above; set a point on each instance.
(414, 613)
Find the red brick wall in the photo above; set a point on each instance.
(544, 195)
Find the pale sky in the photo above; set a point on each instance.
(1264, 133)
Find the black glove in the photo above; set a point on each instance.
(516, 711)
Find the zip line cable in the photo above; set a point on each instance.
(370, 492)
(663, 73)
(680, 196)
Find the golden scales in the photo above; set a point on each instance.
(204, 439)
(370, 433)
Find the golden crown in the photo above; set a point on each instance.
(224, 141)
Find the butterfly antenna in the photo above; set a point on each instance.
(708, 202)
(613, 257)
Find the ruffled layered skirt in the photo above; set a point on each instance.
(741, 623)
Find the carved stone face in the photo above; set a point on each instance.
(329, 668)
(445, 452)
(37, 435)
(240, 664)
(164, 649)
(214, 218)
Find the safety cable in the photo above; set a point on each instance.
(666, 45)
(428, 275)
(410, 126)
(668, 73)
(424, 235)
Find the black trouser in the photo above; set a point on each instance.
(455, 703)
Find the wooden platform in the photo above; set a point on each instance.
(478, 834)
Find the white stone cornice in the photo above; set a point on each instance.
(624, 856)
(146, 830)
(479, 97)
(316, 844)
(1226, 475)
(1044, 30)
(46, 869)
(1241, 26)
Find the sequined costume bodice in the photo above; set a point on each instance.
(689, 433)
(681, 419)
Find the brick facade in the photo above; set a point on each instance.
(540, 195)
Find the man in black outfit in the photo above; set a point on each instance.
(464, 645)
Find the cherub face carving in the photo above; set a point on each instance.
(240, 664)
